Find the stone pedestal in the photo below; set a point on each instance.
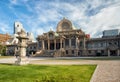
(22, 61)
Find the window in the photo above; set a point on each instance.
(65, 25)
(46, 44)
(40, 43)
(115, 43)
(30, 47)
(18, 25)
(102, 51)
(89, 52)
(17, 48)
(101, 45)
(72, 51)
(110, 43)
(51, 35)
(67, 42)
(73, 42)
(66, 51)
(29, 52)
(81, 43)
(95, 51)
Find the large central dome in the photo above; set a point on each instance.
(64, 25)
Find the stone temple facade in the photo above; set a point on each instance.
(69, 41)
(66, 41)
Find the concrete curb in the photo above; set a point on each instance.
(94, 74)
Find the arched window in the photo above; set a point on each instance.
(50, 35)
(67, 42)
(65, 25)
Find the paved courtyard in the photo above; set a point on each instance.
(106, 71)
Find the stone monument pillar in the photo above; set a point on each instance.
(22, 59)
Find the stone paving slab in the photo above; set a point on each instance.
(108, 71)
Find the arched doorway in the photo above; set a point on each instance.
(52, 44)
(112, 50)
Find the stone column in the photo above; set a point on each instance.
(43, 45)
(84, 46)
(76, 46)
(48, 44)
(15, 51)
(38, 47)
(108, 52)
(76, 43)
(64, 43)
(60, 43)
(118, 52)
(70, 43)
(55, 44)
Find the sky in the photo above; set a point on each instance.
(39, 16)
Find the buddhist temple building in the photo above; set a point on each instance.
(68, 41)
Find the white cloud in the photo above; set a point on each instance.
(38, 31)
(47, 14)
(13, 2)
(107, 18)
(4, 28)
(104, 19)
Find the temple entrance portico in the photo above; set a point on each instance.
(54, 44)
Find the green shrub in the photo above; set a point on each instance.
(2, 50)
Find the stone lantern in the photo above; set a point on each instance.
(22, 59)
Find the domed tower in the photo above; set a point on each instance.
(64, 25)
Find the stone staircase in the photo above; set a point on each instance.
(44, 53)
(51, 53)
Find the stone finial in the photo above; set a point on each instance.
(64, 17)
(51, 29)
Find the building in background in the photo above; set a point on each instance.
(108, 45)
(111, 33)
(13, 41)
(31, 48)
(30, 37)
